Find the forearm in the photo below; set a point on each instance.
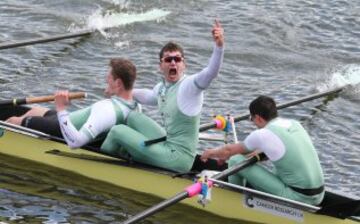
(222, 153)
(229, 150)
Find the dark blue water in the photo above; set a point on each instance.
(286, 49)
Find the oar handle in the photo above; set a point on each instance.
(38, 99)
(42, 99)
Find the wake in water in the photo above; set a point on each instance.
(103, 19)
(347, 75)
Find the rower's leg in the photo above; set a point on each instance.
(263, 180)
(139, 122)
(122, 137)
(9, 111)
(258, 177)
(14, 120)
(145, 125)
(48, 123)
(35, 111)
(112, 144)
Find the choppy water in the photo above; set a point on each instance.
(287, 49)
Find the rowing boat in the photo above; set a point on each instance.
(228, 201)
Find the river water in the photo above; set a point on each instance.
(285, 49)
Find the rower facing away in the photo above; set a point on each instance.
(298, 174)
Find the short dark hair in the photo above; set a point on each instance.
(263, 106)
(124, 70)
(171, 46)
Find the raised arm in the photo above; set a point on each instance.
(204, 78)
(190, 95)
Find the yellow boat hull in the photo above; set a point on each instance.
(225, 203)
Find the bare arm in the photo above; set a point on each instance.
(223, 153)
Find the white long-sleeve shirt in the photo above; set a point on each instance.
(101, 119)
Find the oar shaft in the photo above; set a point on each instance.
(8, 45)
(184, 194)
(310, 97)
(245, 116)
(152, 210)
(242, 165)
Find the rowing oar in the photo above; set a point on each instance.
(45, 39)
(193, 190)
(38, 99)
(245, 116)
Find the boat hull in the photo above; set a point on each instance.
(226, 203)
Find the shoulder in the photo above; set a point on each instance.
(282, 122)
(259, 134)
(104, 102)
(259, 137)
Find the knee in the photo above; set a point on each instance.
(112, 137)
(14, 120)
(116, 130)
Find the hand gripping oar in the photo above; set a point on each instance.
(245, 116)
(193, 190)
(38, 99)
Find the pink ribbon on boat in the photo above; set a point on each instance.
(195, 189)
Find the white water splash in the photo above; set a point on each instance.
(102, 21)
(348, 75)
(122, 44)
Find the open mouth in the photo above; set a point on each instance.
(172, 71)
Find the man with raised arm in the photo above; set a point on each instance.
(85, 125)
(179, 98)
(298, 174)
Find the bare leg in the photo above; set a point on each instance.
(15, 120)
(35, 111)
